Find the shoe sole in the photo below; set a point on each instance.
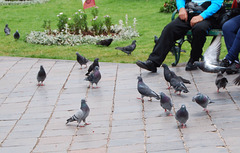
(144, 67)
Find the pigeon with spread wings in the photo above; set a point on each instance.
(211, 57)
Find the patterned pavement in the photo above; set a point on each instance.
(32, 118)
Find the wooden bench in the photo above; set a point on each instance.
(176, 49)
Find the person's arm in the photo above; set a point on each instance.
(180, 4)
(213, 8)
(181, 9)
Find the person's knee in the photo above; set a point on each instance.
(226, 27)
(199, 30)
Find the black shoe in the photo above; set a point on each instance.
(225, 63)
(190, 66)
(148, 65)
(233, 68)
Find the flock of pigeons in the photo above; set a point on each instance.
(210, 65)
(7, 31)
(93, 75)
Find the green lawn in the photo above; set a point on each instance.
(30, 18)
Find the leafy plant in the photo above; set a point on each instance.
(95, 11)
(97, 25)
(169, 6)
(108, 22)
(62, 21)
(47, 25)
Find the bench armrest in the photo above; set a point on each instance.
(174, 14)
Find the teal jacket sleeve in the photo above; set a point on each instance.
(180, 4)
(213, 8)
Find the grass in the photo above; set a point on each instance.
(30, 18)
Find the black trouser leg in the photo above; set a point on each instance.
(199, 33)
(172, 32)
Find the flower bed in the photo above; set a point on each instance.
(75, 30)
(66, 38)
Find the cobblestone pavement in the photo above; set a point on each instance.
(32, 118)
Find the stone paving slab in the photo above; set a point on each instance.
(32, 118)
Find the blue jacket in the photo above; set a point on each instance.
(213, 8)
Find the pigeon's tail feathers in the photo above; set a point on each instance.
(158, 97)
(237, 80)
(211, 102)
(185, 80)
(119, 48)
(71, 119)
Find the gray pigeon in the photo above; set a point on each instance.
(81, 60)
(16, 35)
(7, 30)
(221, 81)
(145, 91)
(105, 42)
(94, 77)
(211, 57)
(182, 116)
(128, 49)
(166, 103)
(81, 114)
(92, 66)
(168, 75)
(178, 85)
(41, 76)
(237, 80)
(202, 100)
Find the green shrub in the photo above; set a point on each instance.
(169, 6)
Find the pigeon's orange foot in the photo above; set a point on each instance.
(184, 126)
(87, 123)
(205, 110)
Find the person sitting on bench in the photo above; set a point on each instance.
(231, 33)
(199, 22)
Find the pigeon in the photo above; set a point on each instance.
(81, 60)
(91, 67)
(105, 42)
(166, 103)
(41, 76)
(168, 75)
(155, 39)
(145, 91)
(202, 100)
(182, 116)
(220, 81)
(237, 80)
(128, 49)
(16, 35)
(94, 77)
(211, 57)
(178, 85)
(81, 114)
(7, 30)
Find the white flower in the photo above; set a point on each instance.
(95, 18)
(69, 18)
(76, 13)
(57, 15)
(61, 13)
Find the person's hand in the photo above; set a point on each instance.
(195, 20)
(183, 14)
